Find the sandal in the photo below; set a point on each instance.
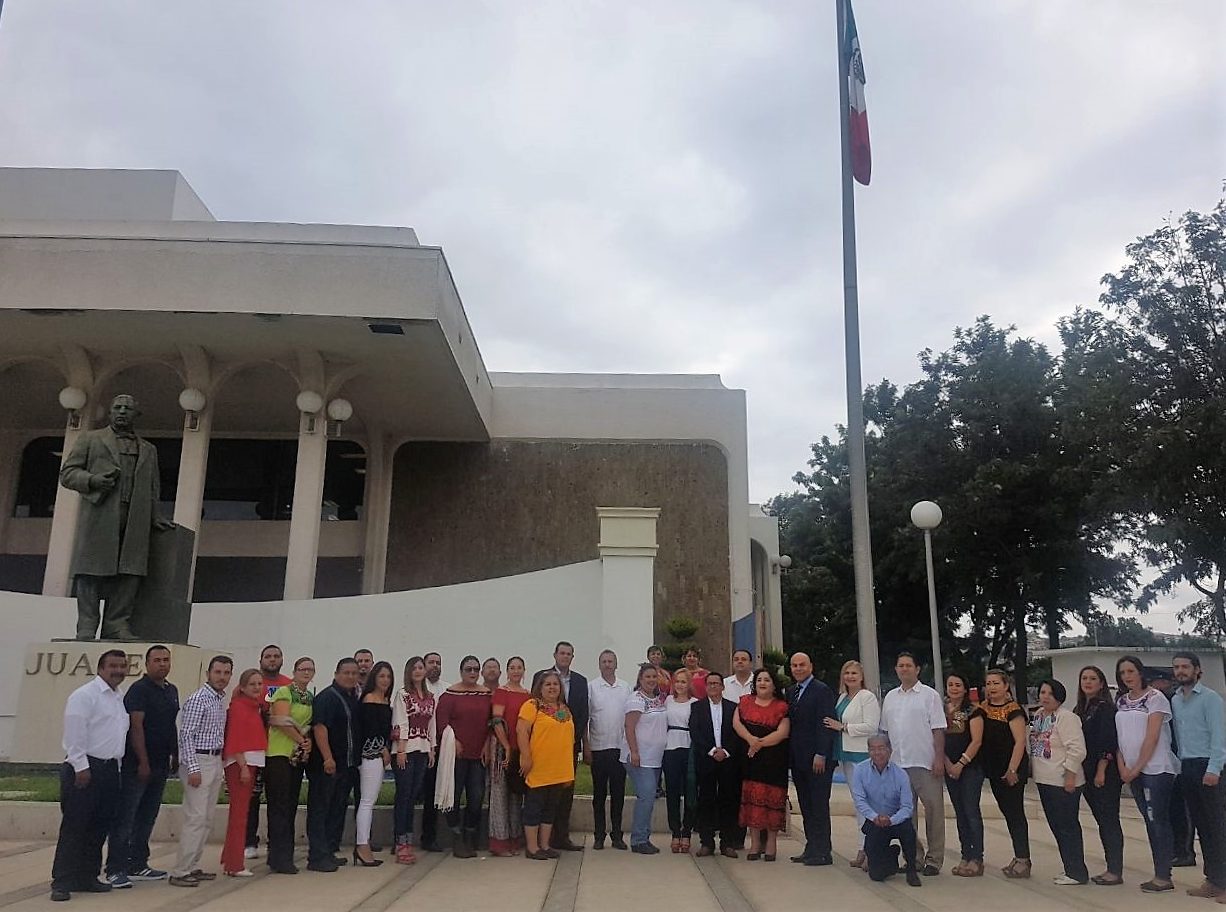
(1017, 869)
(404, 854)
(969, 869)
(676, 846)
(685, 846)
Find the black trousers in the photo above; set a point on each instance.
(327, 801)
(1011, 799)
(137, 812)
(282, 786)
(1061, 808)
(1207, 805)
(676, 791)
(719, 800)
(608, 780)
(86, 817)
(882, 862)
(813, 793)
(1183, 833)
(561, 823)
(1105, 806)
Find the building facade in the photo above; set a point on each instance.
(326, 425)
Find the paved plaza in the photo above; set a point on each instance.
(611, 880)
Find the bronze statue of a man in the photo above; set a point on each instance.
(116, 474)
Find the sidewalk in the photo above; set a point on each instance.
(610, 880)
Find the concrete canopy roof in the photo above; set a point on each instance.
(363, 313)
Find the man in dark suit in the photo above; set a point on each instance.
(574, 690)
(717, 755)
(812, 756)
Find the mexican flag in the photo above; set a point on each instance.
(857, 110)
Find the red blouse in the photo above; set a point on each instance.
(468, 714)
(511, 702)
(245, 729)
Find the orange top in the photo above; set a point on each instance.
(552, 745)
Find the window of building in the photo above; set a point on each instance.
(39, 476)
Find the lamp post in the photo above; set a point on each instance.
(926, 515)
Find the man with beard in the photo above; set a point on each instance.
(1201, 732)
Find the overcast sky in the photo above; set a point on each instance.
(654, 186)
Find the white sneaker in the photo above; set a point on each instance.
(251, 852)
(1065, 881)
(242, 873)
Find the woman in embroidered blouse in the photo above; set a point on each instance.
(1057, 749)
(464, 707)
(375, 720)
(1102, 791)
(289, 746)
(1005, 764)
(245, 746)
(413, 738)
(963, 772)
(679, 786)
(545, 733)
(506, 780)
(761, 719)
(859, 715)
(646, 738)
(1142, 723)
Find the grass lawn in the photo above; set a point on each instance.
(18, 783)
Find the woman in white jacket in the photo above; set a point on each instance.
(1057, 749)
(859, 714)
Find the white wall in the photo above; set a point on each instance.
(90, 194)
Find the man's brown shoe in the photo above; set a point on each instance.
(1205, 891)
(705, 851)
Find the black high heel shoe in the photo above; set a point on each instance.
(358, 860)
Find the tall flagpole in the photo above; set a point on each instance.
(866, 612)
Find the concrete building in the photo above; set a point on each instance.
(355, 476)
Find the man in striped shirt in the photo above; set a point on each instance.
(202, 730)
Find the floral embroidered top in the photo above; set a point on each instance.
(413, 727)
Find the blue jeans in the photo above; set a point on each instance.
(1152, 794)
(964, 794)
(139, 803)
(408, 788)
(469, 781)
(646, 780)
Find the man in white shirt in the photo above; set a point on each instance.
(429, 813)
(717, 751)
(95, 736)
(914, 717)
(741, 682)
(606, 734)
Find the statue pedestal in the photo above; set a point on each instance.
(54, 670)
(163, 609)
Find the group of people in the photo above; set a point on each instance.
(720, 748)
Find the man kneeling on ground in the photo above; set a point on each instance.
(882, 793)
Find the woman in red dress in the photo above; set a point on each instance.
(761, 720)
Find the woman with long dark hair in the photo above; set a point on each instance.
(464, 707)
(1102, 792)
(963, 771)
(545, 732)
(1146, 762)
(375, 728)
(506, 779)
(761, 719)
(413, 738)
(1005, 764)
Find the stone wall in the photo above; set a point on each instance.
(463, 512)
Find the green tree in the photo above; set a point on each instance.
(1148, 378)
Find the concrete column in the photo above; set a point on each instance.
(627, 555)
(56, 579)
(193, 466)
(377, 510)
(308, 496)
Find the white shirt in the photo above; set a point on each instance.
(734, 689)
(565, 676)
(606, 702)
(95, 724)
(717, 725)
(910, 717)
(438, 687)
(678, 714)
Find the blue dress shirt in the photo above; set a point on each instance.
(1200, 726)
(877, 792)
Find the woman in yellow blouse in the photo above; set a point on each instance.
(546, 735)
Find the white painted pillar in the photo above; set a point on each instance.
(193, 466)
(377, 509)
(56, 580)
(308, 496)
(627, 556)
